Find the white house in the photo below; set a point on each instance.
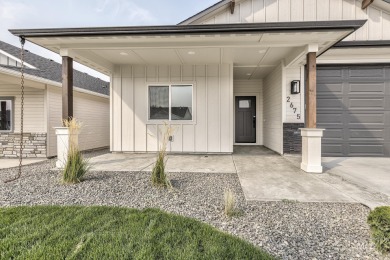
(42, 105)
(227, 76)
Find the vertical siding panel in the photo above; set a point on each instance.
(188, 73)
(222, 18)
(349, 9)
(362, 33)
(296, 10)
(140, 108)
(151, 73)
(273, 110)
(309, 10)
(225, 96)
(323, 10)
(117, 113)
(284, 11)
(386, 26)
(175, 73)
(212, 114)
(151, 138)
(163, 73)
(374, 24)
(235, 17)
(258, 11)
(336, 12)
(246, 11)
(127, 109)
(177, 144)
(188, 138)
(271, 13)
(200, 130)
(201, 113)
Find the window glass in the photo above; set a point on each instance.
(181, 103)
(244, 104)
(158, 102)
(5, 115)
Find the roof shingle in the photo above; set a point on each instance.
(51, 70)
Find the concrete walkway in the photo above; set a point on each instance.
(10, 163)
(267, 176)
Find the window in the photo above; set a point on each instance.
(6, 115)
(244, 104)
(170, 102)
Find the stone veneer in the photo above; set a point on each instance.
(292, 140)
(34, 145)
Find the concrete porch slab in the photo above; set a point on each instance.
(6, 163)
(175, 163)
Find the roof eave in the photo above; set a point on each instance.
(190, 29)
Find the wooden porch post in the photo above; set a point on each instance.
(311, 92)
(67, 87)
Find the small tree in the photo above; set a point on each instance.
(159, 177)
(76, 165)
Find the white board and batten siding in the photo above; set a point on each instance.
(273, 110)
(210, 131)
(294, 104)
(93, 111)
(34, 108)
(252, 88)
(261, 11)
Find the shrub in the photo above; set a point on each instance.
(159, 176)
(230, 203)
(379, 221)
(76, 165)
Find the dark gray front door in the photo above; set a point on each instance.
(245, 119)
(353, 105)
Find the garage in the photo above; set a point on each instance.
(353, 105)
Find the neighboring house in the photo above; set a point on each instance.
(236, 69)
(42, 105)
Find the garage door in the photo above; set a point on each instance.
(353, 105)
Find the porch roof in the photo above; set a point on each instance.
(253, 48)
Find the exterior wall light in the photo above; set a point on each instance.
(295, 87)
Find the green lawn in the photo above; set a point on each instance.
(53, 232)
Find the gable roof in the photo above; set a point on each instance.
(217, 7)
(51, 70)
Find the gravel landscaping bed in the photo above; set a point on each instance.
(286, 229)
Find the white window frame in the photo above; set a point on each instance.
(12, 99)
(169, 85)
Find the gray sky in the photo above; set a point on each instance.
(23, 14)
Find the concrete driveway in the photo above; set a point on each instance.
(371, 173)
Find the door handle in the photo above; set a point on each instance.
(254, 121)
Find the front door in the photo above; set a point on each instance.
(245, 119)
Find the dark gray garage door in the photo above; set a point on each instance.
(353, 105)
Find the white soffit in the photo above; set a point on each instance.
(255, 50)
(355, 55)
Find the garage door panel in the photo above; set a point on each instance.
(330, 119)
(370, 88)
(366, 134)
(330, 103)
(329, 149)
(335, 134)
(366, 103)
(367, 72)
(329, 73)
(353, 105)
(329, 88)
(357, 149)
(366, 119)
